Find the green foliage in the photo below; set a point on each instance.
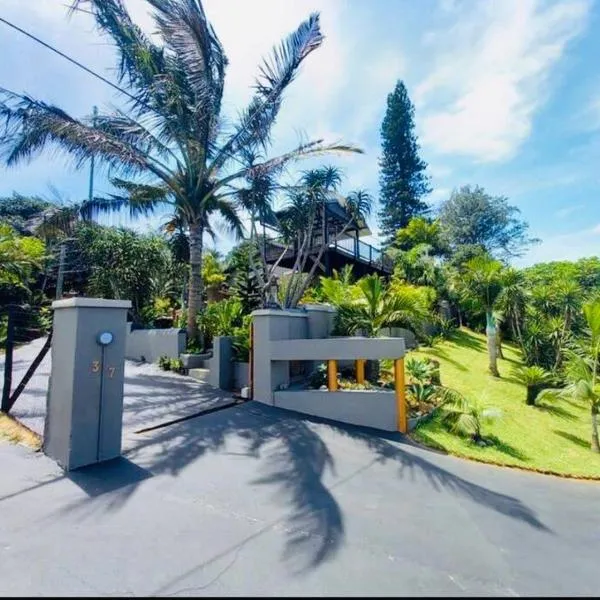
(420, 232)
(176, 365)
(123, 264)
(534, 378)
(582, 370)
(212, 271)
(419, 370)
(465, 417)
(403, 182)
(379, 307)
(241, 340)
(221, 318)
(245, 271)
(164, 362)
(20, 261)
(473, 218)
(318, 377)
(20, 211)
(170, 149)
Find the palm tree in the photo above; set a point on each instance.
(582, 370)
(512, 301)
(481, 282)
(304, 227)
(569, 295)
(171, 147)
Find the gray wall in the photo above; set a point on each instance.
(151, 344)
(368, 408)
(281, 336)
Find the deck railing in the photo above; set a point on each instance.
(358, 250)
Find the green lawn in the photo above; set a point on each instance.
(553, 437)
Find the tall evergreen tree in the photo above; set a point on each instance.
(402, 176)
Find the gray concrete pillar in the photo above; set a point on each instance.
(271, 324)
(85, 397)
(221, 365)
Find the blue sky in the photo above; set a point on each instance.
(507, 94)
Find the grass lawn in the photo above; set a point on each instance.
(11, 430)
(552, 437)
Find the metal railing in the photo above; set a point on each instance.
(358, 250)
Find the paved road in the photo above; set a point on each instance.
(254, 500)
(151, 396)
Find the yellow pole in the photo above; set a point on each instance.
(400, 395)
(360, 370)
(332, 385)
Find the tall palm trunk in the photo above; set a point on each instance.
(595, 442)
(196, 284)
(490, 332)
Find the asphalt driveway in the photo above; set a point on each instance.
(258, 501)
(151, 396)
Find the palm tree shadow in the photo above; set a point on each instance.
(441, 353)
(293, 459)
(572, 438)
(556, 411)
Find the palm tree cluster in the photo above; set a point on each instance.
(171, 147)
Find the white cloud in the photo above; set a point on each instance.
(438, 196)
(562, 213)
(564, 246)
(492, 73)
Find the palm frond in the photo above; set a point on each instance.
(276, 73)
(31, 125)
(140, 61)
(187, 32)
(229, 214)
(311, 149)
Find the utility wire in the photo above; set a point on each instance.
(88, 70)
(72, 60)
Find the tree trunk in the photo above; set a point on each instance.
(595, 443)
(490, 332)
(532, 393)
(195, 302)
(499, 344)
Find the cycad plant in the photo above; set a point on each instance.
(465, 417)
(582, 370)
(534, 378)
(171, 147)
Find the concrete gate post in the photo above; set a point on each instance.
(84, 414)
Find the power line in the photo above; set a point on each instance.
(90, 71)
(72, 60)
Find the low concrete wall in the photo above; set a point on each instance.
(151, 344)
(368, 408)
(241, 372)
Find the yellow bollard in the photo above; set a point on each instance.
(400, 395)
(360, 370)
(332, 384)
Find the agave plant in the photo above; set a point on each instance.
(534, 378)
(170, 148)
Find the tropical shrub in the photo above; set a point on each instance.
(465, 417)
(534, 378)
